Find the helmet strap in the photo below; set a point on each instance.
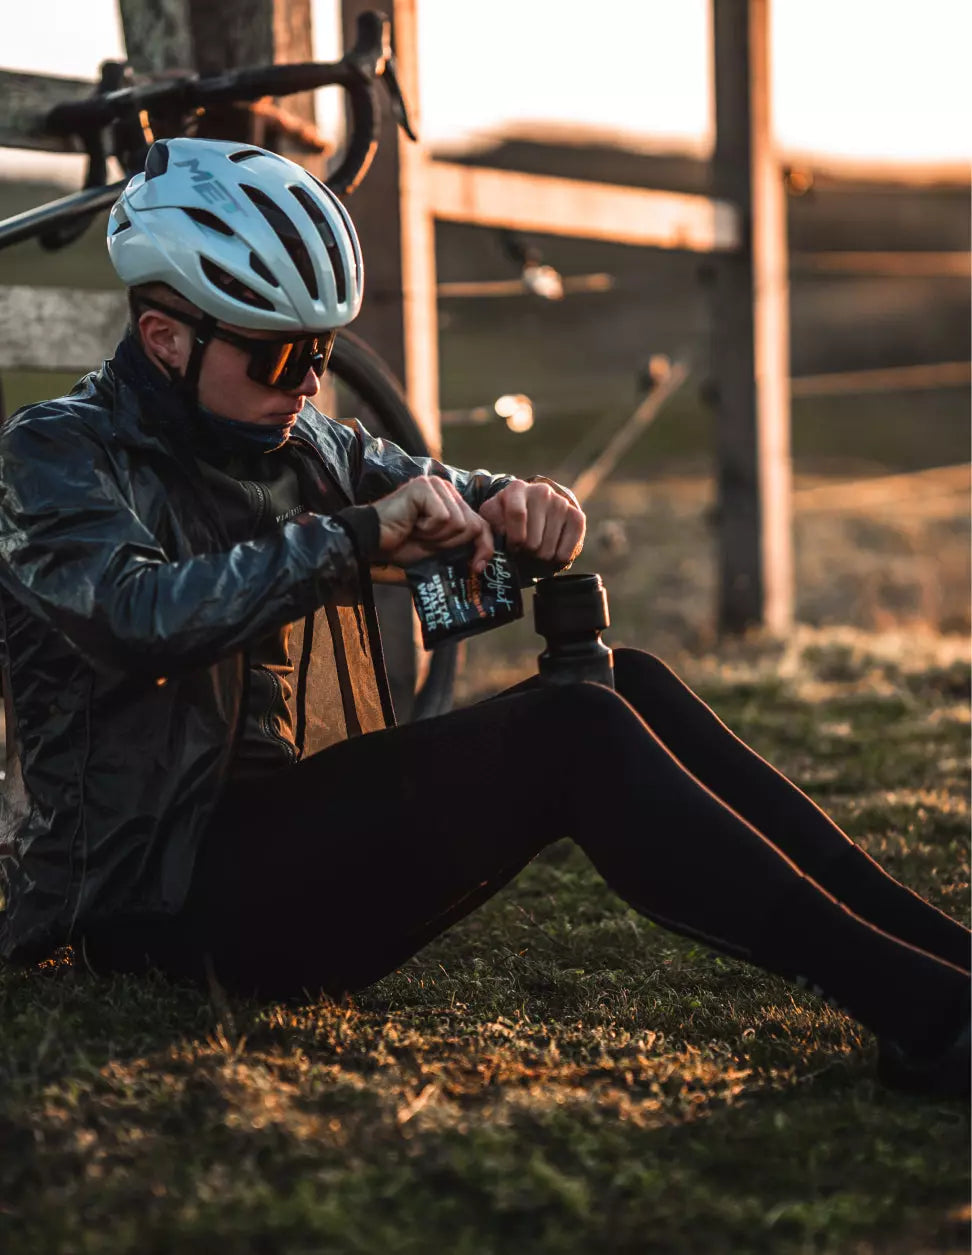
(187, 381)
(203, 334)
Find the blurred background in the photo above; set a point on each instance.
(872, 109)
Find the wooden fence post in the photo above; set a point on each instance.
(392, 213)
(214, 35)
(750, 334)
(398, 318)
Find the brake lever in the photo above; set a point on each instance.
(399, 109)
(372, 57)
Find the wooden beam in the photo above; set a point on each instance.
(884, 379)
(588, 481)
(58, 328)
(600, 211)
(398, 317)
(392, 213)
(750, 335)
(27, 99)
(157, 35)
(912, 264)
(210, 36)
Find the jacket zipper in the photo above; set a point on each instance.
(263, 507)
(265, 721)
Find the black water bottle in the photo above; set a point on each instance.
(571, 612)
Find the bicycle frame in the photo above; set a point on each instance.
(129, 114)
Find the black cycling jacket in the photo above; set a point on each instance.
(126, 616)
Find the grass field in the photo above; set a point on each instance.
(557, 1075)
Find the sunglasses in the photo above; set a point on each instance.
(282, 363)
(278, 363)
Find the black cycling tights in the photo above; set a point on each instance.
(334, 873)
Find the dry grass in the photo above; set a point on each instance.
(555, 1075)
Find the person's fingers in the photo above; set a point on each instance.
(553, 525)
(492, 512)
(433, 507)
(442, 516)
(538, 506)
(461, 525)
(513, 500)
(571, 536)
(483, 551)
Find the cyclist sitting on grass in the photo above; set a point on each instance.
(208, 775)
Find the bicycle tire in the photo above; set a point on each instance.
(356, 365)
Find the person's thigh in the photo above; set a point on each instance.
(337, 870)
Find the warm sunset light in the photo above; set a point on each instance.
(870, 80)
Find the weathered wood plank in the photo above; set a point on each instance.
(58, 328)
(601, 211)
(157, 35)
(26, 99)
(750, 335)
(399, 317)
(916, 264)
(391, 213)
(883, 379)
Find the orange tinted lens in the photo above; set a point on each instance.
(277, 361)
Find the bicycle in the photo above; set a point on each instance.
(120, 120)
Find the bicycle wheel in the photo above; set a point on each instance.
(367, 390)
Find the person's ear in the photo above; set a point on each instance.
(165, 339)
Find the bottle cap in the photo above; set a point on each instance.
(568, 604)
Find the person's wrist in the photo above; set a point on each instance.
(363, 526)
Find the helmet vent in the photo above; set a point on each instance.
(263, 270)
(316, 215)
(246, 154)
(121, 224)
(287, 234)
(206, 219)
(232, 287)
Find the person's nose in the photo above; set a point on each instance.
(310, 385)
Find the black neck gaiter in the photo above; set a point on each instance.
(212, 435)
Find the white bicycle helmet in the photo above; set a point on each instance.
(248, 236)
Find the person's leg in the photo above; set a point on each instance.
(782, 812)
(360, 855)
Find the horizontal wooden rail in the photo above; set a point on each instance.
(883, 379)
(599, 211)
(58, 328)
(27, 99)
(937, 484)
(69, 329)
(907, 264)
(461, 288)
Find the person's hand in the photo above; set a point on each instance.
(425, 515)
(537, 520)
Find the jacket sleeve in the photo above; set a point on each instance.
(75, 552)
(381, 466)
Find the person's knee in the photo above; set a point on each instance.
(637, 666)
(576, 710)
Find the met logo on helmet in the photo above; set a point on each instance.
(208, 186)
